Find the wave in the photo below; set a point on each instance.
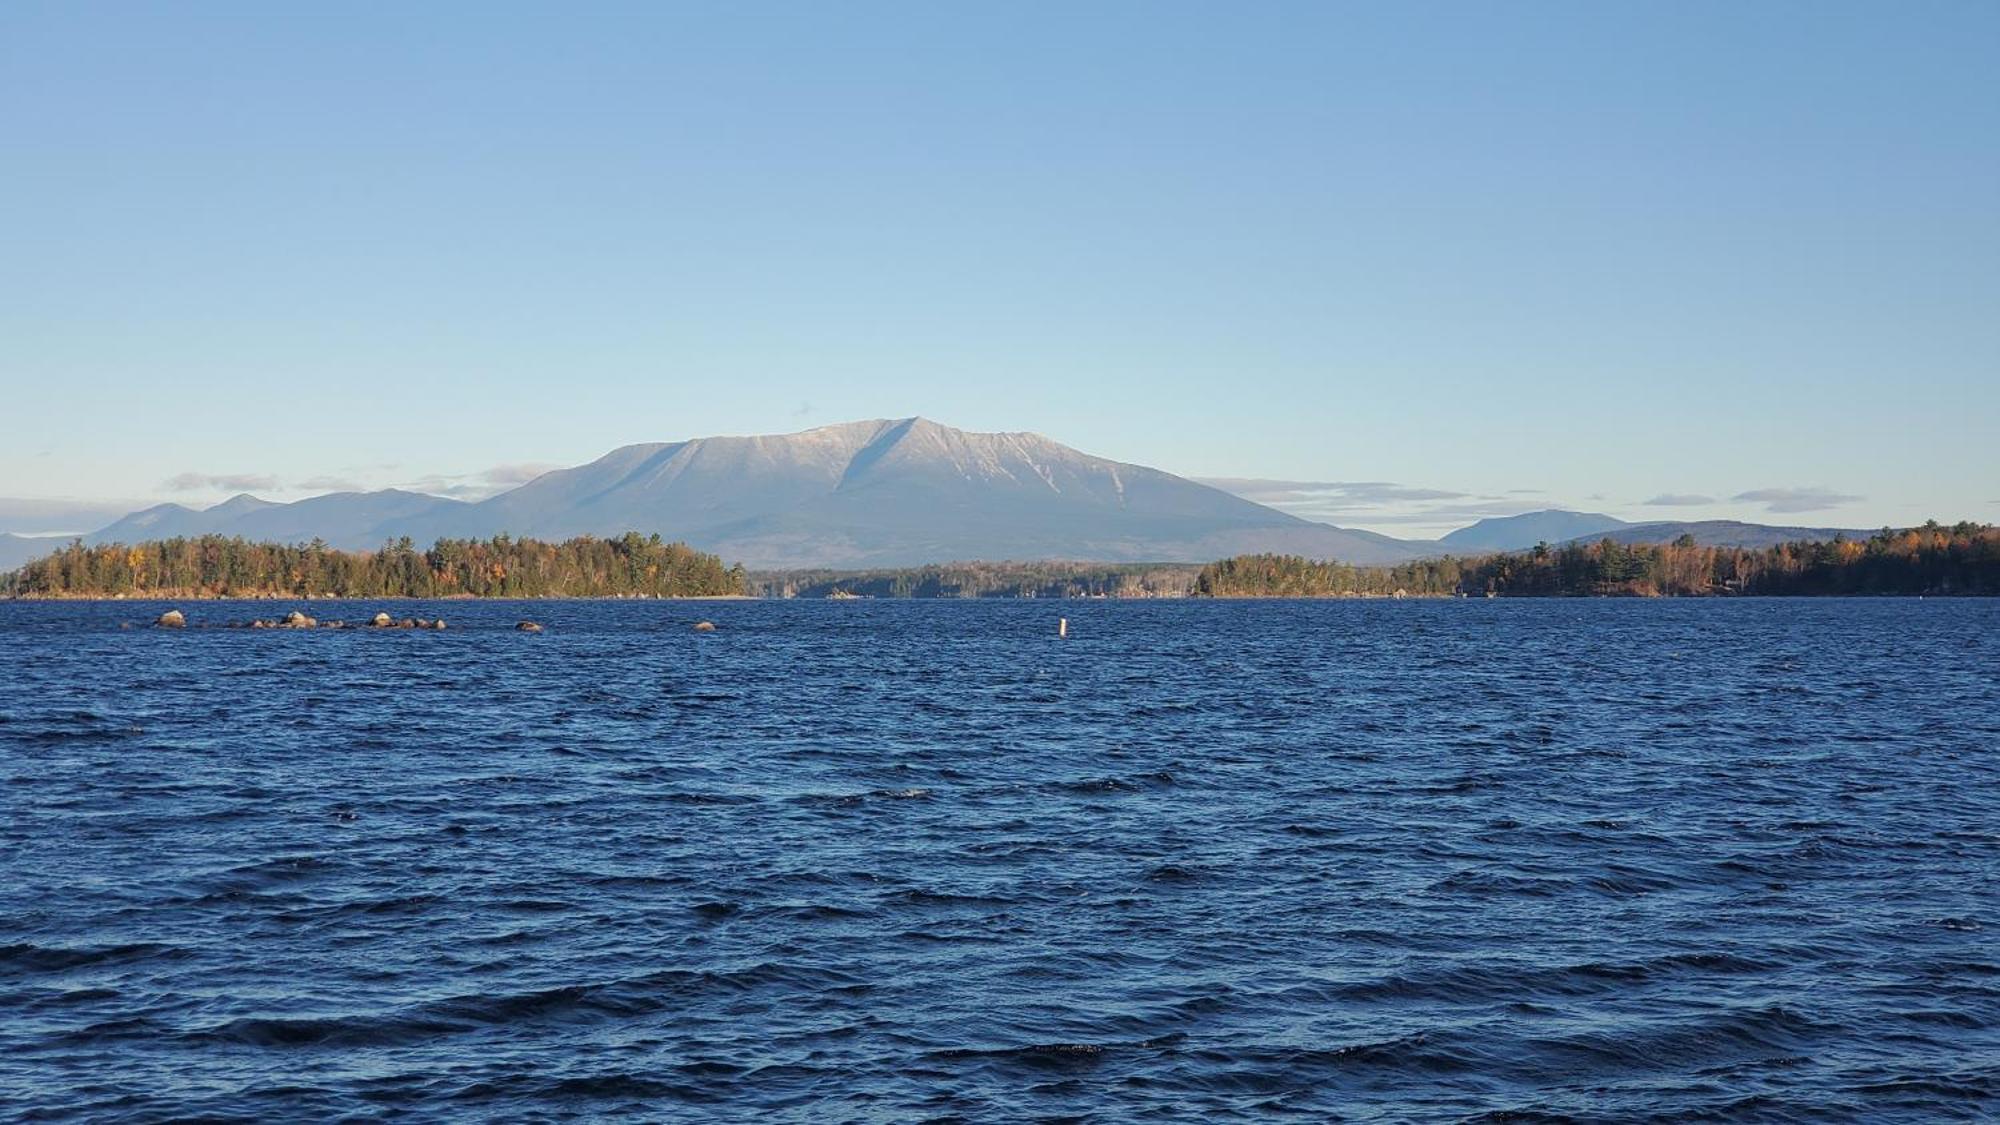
(1510, 981)
(32, 958)
(636, 997)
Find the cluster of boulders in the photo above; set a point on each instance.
(384, 621)
(175, 619)
(292, 620)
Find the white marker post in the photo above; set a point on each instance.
(1062, 626)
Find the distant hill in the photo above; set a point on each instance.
(17, 549)
(884, 493)
(903, 492)
(1518, 533)
(1514, 533)
(1722, 533)
(344, 519)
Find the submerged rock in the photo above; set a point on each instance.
(172, 619)
(704, 626)
(528, 627)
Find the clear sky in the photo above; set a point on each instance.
(1437, 260)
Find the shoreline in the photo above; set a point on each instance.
(470, 598)
(184, 597)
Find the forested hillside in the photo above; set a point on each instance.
(214, 566)
(1932, 559)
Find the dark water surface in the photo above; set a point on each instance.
(891, 861)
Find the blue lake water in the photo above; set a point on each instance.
(874, 861)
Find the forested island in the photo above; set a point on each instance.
(1932, 559)
(212, 566)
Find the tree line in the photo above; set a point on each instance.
(984, 580)
(1932, 559)
(1290, 576)
(501, 567)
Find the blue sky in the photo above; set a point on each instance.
(1420, 262)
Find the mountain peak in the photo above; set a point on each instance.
(876, 492)
(241, 502)
(1512, 533)
(893, 491)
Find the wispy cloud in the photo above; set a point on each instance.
(1342, 492)
(1679, 500)
(520, 472)
(459, 486)
(225, 482)
(1795, 499)
(329, 484)
(480, 485)
(1450, 516)
(1376, 503)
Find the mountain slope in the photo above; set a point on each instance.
(896, 493)
(1514, 533)
(882, 493)
(343, 519)
(1518, 533)
(18, 549)
(161, 521)
(1723, 533)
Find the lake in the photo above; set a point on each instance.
(875, 860)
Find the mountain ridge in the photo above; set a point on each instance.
(16, 549)
(1557, 526)
(1510, 533)
(885, 492)
(879, 492)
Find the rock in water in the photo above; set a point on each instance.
(382, 621)
(297, 620)
(172, 619)
(438, 624)
(528, 627)
(704, 626)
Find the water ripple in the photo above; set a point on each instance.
(1503, 861)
